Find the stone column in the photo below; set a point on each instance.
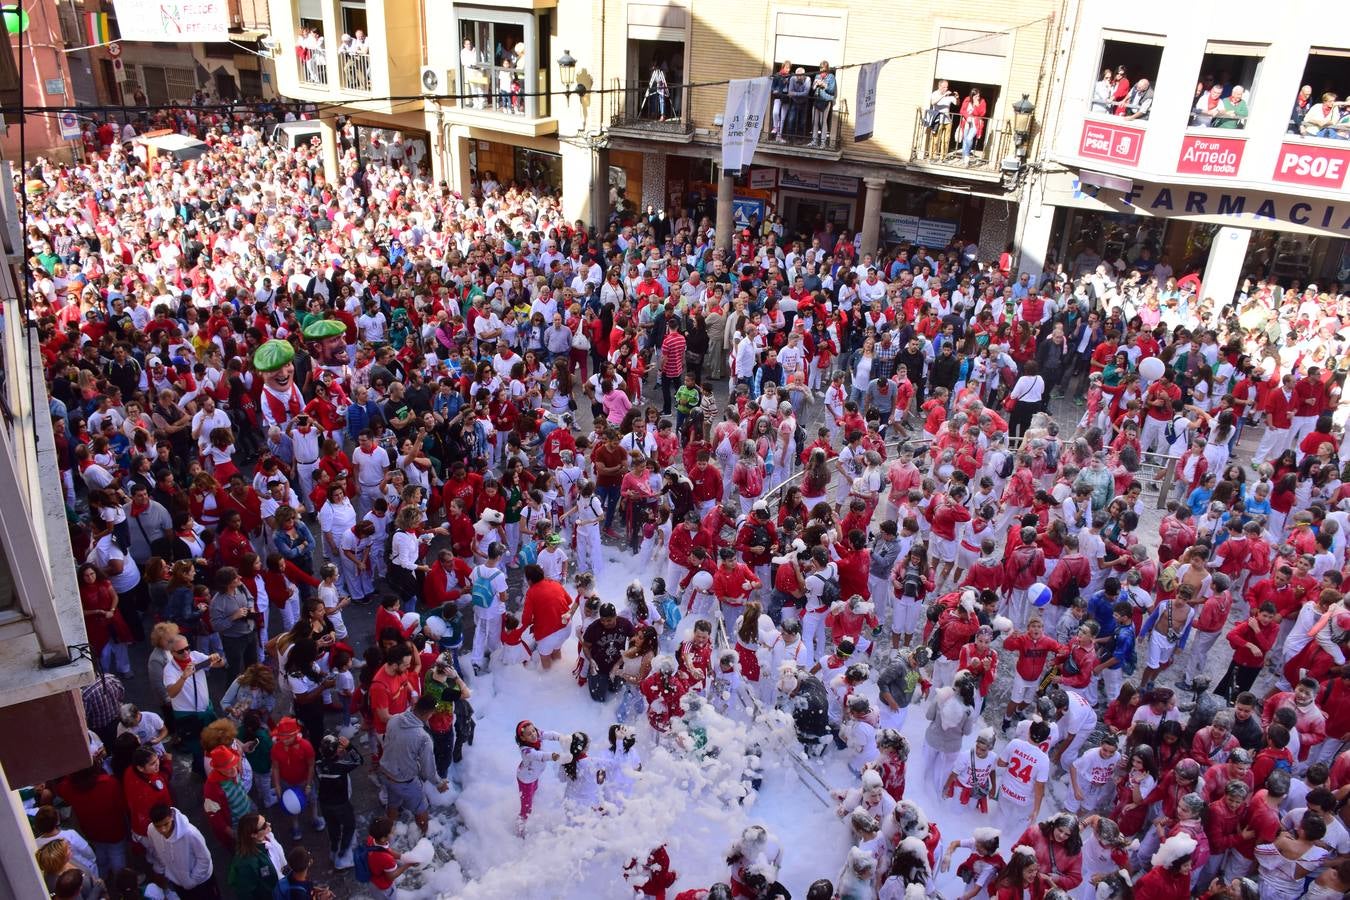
(726, 188)
(600, 191)
(329, 140)
(1223, 271)
(871, 225)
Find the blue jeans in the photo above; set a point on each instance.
(609, 496)
(967, 138)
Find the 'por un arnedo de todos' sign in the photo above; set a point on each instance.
(173, 20)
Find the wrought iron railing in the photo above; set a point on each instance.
(354, 72)
(949, 139)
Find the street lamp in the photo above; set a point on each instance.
(1022, 116)
(567, 72)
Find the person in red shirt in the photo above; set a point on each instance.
(733, 583)
(100, 807)
(1025, 566)
(1310, 397)
(547, 610)
(945, 515)
(1034, 649)
(393, 688)
(1279, 407)
(293, 768)
(1158, 400)
(382, 860)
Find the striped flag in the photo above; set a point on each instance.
(99, 32)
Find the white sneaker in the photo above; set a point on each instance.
(344, 860)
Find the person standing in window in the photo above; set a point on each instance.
(823, 91)
(973, 110)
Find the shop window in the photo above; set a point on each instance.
(1125, 79)
(1321, 109)
(1226, 85)
(538, 170)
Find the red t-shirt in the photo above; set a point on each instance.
(393, 693)
(382, 865)
(294, 762)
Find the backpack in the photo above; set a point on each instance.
(361, 863)
(1170, 432)
(483, 594)
(829, 591)
(799, 438)
(527, 554)
(912, 585)
(1005, 468)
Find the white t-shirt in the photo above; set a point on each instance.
(1028, 389)
(106, 551)
(195, 696)
(496, 578)
(1027, 765)
(370, 467)
(1092, 771)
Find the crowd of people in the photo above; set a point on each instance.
(275, 397)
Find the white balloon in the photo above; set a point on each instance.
(293, 801)
(1151, 368)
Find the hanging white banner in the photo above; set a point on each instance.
(868, 73)
(747, 98)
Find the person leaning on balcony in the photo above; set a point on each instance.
(1302, 103)
(1139, 103)
(1232, 111)
(1321, 118)
(823, 91)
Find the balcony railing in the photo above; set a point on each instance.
(494, 88)
(313, 69)
(354, 72)
(977, 142)
(638, 107)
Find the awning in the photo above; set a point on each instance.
(1102, 180)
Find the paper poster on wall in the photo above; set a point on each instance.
(747, 212)
(763, 179)
(899, 229)
(173, 20)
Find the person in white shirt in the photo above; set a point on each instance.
(206, 420)
(488, 586)
(1021, 786)
(371, 462)
(372, 323)
(1092, 777)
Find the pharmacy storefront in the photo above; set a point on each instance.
(1222, 233)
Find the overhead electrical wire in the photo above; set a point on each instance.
(575, 91)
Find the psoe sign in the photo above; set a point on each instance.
(1309, 164)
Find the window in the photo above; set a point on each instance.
(1125, 79)
(1225, 85)
(806, 38)
(1320, 109)
(494, 65)
(354, 19)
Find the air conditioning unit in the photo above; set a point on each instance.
(432, 81)
(270, 46)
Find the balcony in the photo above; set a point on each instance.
(354, 72)
(633, 110)
(938, 144)
(312, 68)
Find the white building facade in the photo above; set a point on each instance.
(1211, 179)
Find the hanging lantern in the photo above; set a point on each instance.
(16, 19)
